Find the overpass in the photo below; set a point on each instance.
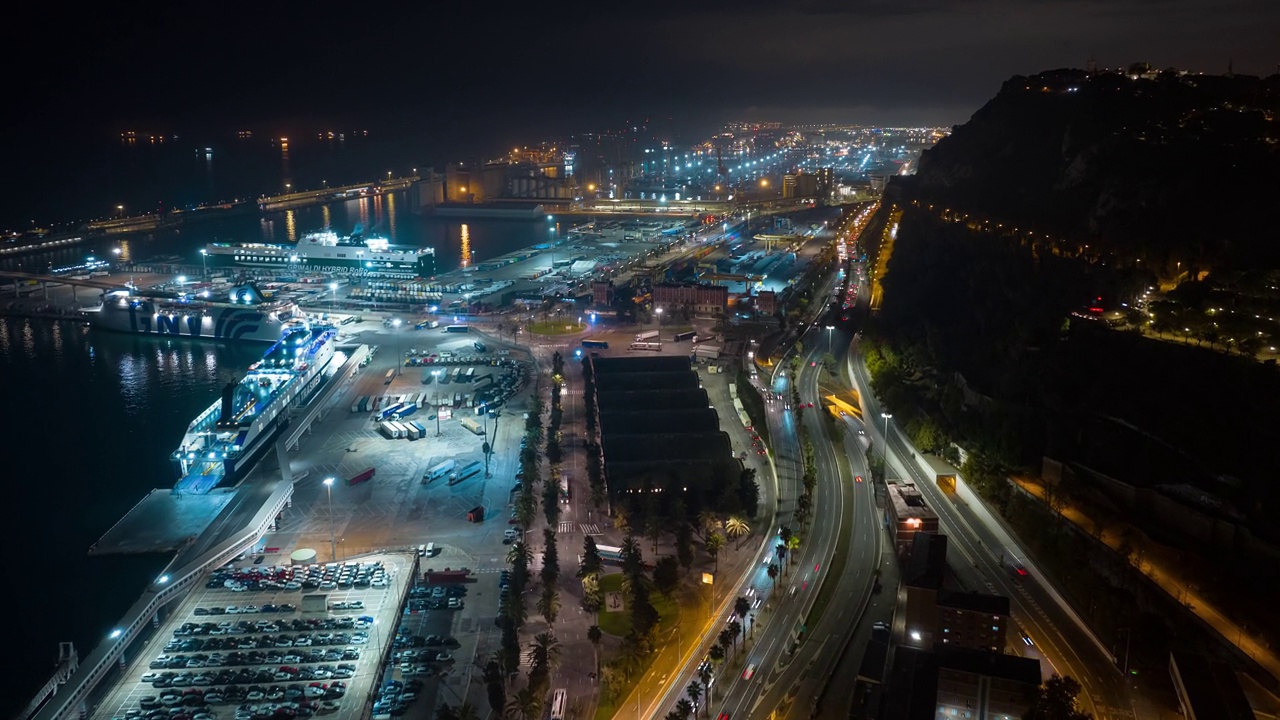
(249, 516)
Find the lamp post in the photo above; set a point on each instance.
(333, 288)
(399, 360)
(658, 312)
(829, 329)
(333, 542)
(204, 263)
(436, 374)
(884, 453)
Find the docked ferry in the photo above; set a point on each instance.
(327, 251)
(242, 314)
(222, 441)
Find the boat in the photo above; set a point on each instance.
(327, 251)
(223, 441)
(241, 314)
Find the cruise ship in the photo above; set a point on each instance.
(327, 251)
(222, 441)
(242, 314)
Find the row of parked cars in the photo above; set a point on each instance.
(395, 697)
(247, 609)
(330, 576)
(248, 676)
(248, 627)
(245, 659)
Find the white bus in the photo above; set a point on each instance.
(558, 700)
(646, 336)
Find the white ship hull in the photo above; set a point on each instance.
(144, 317)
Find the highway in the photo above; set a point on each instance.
(980, 558)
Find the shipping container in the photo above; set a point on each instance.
(391, 374)
(473, 425)
(364, 476)
(466, 471)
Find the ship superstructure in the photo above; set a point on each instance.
(222, 441)
(327, 251)
(242, 314)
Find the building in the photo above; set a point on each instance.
(602, 293)
(907, 513)
(1207, 689)
(788, 186)
(702, 299)
(960, 683)
(766, 302)
(936, 617)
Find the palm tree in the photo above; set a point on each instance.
(673, 715)
(707, 524)
(772, 571)
(519, 551)
(684, 707)
(546, 650)
(595, 636)
(549, 604)
(741, 607)
(781, 551)
(735, 629)
(736, 528)
(654, 524)
(726, 639)
(717, 652)
(524, 705)
(704, 674)
(694, 691)
(467, 711)
(714, 544)
(621, 521)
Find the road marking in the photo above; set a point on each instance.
(565, 527)
(589, 529)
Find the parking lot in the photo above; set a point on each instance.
(260, 641)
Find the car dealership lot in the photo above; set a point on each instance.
(244, 646)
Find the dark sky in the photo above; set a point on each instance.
(574, 66)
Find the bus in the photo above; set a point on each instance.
(609, 554)
(681, 337)
(649, 335)
(558, 700)
(602, 344)
(457, 328)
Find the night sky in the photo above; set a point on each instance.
(581, 66)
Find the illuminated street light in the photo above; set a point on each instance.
(333, 541)
(884, 454)
(204, 262)
(333, 287)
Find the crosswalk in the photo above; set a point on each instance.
(590, 529)
(565, 527)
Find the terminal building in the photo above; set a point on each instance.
(702, 299)
(907, 514)
(961, 683)
(659, 434)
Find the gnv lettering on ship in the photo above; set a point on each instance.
(165, 324)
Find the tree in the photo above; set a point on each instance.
(525, 705)
(467, 711)
(714, 544)
(519, 554)
(446, 712)
(684, 545)
(591, 564)
(736, 528)
(595, 636)
(666, 575)
(494, 687)
(550, 559)
(772, 571)
(735, 628)
(694, 691)
(717, 652)
(632, 558)
(704, 674)
(726, 638)
(708, 523)
(592, 599)
(741, 607)
(654, 525)
(684, 707)
(549, 604)
(621, 521)
(1056, 700)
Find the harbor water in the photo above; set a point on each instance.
(92, 417)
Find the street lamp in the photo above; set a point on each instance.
(884, 454)
(436, 374)
(333, 287)
(204, 263)
(399, 359)
(658, 311)
(333, 542)
(829, 329)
